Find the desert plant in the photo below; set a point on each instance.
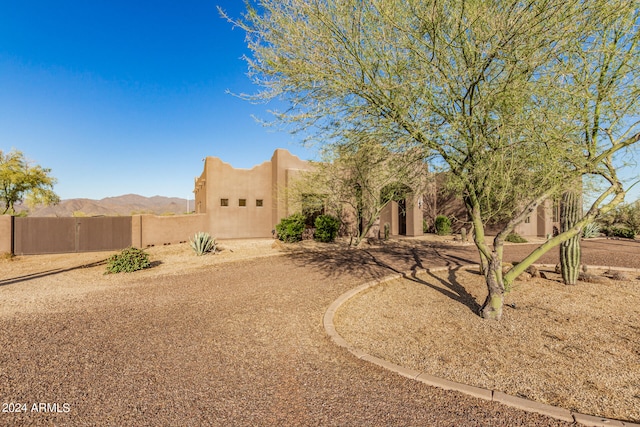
(327, 227)
(128, 260)
(203, 243)
(591, 230)
(515, 238)
(570, 251)
(614, 231)
(290, 229)
(442, 225)
(387, 230)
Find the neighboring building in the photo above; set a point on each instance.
(247, 203)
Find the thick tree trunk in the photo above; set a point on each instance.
(570, 214)
(492, 307)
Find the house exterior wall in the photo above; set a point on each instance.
(266, 182)
(220, 189)
(6, 234)
(541, 222)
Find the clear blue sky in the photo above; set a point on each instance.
(122, 97)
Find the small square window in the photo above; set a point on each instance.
(224, 202)
(242, 202)
(259, 203)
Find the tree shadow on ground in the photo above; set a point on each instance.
(452, 289)
(41, 274)
(400, 258)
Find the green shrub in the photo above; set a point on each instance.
(619, 232)
(515, 238)
(591, 230)
(327, 227)
(387, 230)
(290, 229)
(130, 259)
(203, 243)
(442, 225)
(425, 226)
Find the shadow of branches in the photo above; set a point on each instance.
(374, 262)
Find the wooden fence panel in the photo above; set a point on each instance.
(60, 235)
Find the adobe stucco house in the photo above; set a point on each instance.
(247, 203)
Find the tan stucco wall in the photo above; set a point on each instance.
(152, 230)
(226, 182)
(200, 192)
(5, 234)
(285, 168)
(540, 223)
(414, 216)
(266, 182)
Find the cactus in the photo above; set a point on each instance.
(570, 213)
(203, 243)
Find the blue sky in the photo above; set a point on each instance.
(122, 97)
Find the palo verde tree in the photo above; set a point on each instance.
(492, 89)
(599, 75)
(359, 177)
(19, 180)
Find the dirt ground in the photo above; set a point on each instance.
(575, 347)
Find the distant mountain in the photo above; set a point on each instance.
(129, 204)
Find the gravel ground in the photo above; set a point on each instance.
(238, 343)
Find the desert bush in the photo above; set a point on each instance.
(591, 230)
(327, 227)
(387, 230)
(515, 238)
(443, 225)
(129, 260)
(619, 232)
(203, 243)
(290, 229)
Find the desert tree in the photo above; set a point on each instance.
(19, 179)
(358, 177)
(600, 77)
(490, 89)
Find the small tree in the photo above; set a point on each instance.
(363, 176)
(19, 179)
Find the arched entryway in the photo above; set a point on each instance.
(403, 212)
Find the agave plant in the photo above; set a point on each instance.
(591, 230)
(203, 243)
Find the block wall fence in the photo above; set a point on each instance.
(32, 236)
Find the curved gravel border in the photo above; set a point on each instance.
(490, 395)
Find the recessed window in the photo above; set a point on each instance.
(242, 202)
(224, 202)
(527, 220)
(259, 203)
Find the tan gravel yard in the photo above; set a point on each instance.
(234, 340)
(575, 347)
